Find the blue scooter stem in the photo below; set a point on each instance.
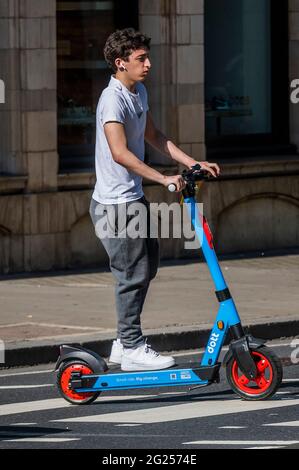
(202, 230)
(227, 314)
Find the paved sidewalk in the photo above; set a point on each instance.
(40, 312)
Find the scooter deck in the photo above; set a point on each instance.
(189, 374)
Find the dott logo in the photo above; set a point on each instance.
(212, 343)
(2, 92)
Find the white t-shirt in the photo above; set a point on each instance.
(115, 184)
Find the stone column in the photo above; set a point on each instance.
(28, 60)
(294, 66)
(11, 160)
(176, 83)
(38, 80)
(189, 78)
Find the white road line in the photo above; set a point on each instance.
(232, 427)
(47, 371)
(71, 327)
(7, 434)
(127, 425)
(200, 409)
(287, 423)
(54, 325)
(15, 387)
(265, 447)
(48, 440)
(23, 424)
(56, 403)
(12, 325)
(237, 443)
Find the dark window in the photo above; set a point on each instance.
(246, 77)
(82, 29)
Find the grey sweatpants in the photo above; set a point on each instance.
(134, 263)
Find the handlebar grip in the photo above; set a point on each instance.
(172, 188)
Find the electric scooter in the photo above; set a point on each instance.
(253, 371)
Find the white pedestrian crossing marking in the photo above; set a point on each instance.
(56, 403)
(200, 409)
(287, 423)
(29, 406)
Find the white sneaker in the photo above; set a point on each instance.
(116, 352)
(144, 358)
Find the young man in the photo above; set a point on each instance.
(123, 124)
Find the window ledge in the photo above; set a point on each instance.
(276, 165)
(85, 179)
(74, 179)
(12, 184)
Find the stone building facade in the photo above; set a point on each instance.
(44, 220)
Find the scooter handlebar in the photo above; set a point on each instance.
(171, 187)
(196, 173)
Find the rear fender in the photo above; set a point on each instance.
(69, 353)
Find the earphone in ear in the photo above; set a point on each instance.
(122, 68)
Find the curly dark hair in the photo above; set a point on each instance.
(122, 42)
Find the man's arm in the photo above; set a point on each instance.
(116, 138)
(159, 141)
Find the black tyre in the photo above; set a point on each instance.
(267, 382)
(63, 380)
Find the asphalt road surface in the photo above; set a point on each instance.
(34, 416)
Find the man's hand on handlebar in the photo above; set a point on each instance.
(176, 180)
(211, 168)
